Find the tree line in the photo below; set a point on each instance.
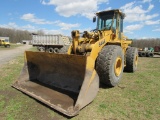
(141, 43)
(16, 36)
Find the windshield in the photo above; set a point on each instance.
(104, 22)
(6, 40)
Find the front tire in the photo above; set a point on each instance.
(110, 64)
(41, 49)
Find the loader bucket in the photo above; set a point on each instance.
(64, 82)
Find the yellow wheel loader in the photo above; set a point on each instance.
(68, 82)
(4, 42)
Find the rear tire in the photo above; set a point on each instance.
(7, 46)
(150, 54)
(143, 54)
(56, 50)
(50, 50)
(110, 64)
(131, 59)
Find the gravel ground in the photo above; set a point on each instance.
(7, 55)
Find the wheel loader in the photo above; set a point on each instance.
(69, 82)
(4, 41)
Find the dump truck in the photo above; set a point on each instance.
(4, 41)
(69, 82)
(51, 43)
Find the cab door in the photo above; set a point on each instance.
(120, 26)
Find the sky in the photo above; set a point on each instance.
(62, 16)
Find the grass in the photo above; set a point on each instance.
(137, 97)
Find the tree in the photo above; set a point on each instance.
(146, 43)
(15, 35)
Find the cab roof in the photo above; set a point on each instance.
(111, 12)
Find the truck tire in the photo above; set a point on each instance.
(41, 49)
(143, 54)
(50, 50)
(131, 59)
(110, 64)
(139, 54)
(150, 54)
(56, 50)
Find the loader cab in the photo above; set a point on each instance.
(110, 20)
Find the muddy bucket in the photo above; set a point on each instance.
(64, 82)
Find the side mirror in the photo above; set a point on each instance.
(94, 19)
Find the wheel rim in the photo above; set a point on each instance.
(118, 66)
(136, 60)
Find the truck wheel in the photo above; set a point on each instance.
(143, 54)
(41, 49)
(50, 50)
(56, 50)
(150, 54)
(110, 64)
(139, 54)
(131, 59)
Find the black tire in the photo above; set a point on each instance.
(56, 50)
(50, 50)
(139, 54)
(7, 46)
(109, 60)
(143, 54)
(41, 49)
(150, 54)
(147, 54)
(131, 59)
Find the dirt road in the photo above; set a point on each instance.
(7, 55)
